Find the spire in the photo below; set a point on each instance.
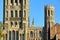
(33, 22)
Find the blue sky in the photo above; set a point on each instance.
(37, 11)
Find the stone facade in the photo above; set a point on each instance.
(16, 21)
(49, 21)
(17, 27)
(34, 33)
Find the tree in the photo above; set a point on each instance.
(1, 25)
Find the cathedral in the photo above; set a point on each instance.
(16, 22)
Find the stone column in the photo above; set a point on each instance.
(8, 36)
(9, 13)
(13, 24)
(35, 35)
(14, 2)
(18, 24)
(15, 35)
(13, 13)
(11, 35)
(18, 13)
(18, 2)
(18, 36)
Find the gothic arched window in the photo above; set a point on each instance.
(11, 13)
(20, 14)
(16, 1)
(17, 35)
(12, 2)
(13, 35)
(9, 35)
(48, 12)
(15, 24)
(31, 34)
(11, 24)
(39, 33)
(20, 25)
(16, 13)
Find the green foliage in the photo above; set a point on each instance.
(1, 25)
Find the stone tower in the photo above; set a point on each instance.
(16, 13)
(49, 16)
(49, 19)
